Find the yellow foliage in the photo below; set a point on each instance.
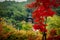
(25, 34)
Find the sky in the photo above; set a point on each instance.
(15, 0)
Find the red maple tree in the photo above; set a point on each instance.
(43, 9)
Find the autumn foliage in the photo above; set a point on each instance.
(42, 10)
(53, 35)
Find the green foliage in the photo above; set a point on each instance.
(58, 11)
(53, 22)
(13, 12)
(23, 25)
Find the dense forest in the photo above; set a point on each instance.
(13, 12)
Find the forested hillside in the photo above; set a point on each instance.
(13, 12)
